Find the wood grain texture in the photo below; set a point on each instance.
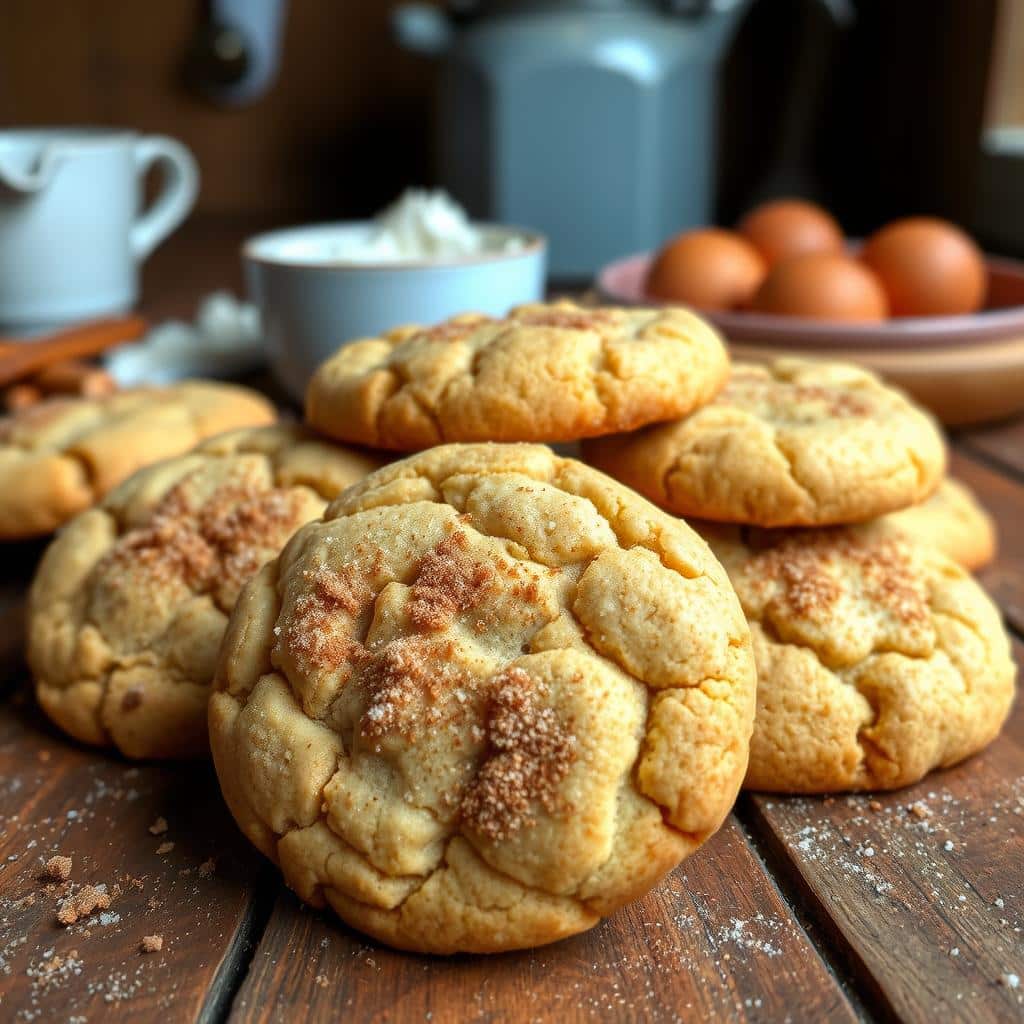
(714, 942)
(926, 906)
(928, 910)
(59, 798)
(1002, 442)
(1004, 498)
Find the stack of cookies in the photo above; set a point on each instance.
(478, 698)
(822, 493)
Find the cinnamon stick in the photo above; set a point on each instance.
(73, 377)
(19, 359)
(21, 396)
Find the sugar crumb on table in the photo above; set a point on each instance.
(87, 900)
(57, 869)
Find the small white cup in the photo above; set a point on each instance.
(72, 236)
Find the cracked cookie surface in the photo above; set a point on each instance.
(490, 698)
(130, 601)
(64, 454)
(795, 443)
(878, 660)
(952, 521)
(546, 372)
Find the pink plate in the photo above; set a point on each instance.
(623, 282)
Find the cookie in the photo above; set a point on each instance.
(952, 521)
(490, 698)
(878, 659)
(130, 601)
(555, 372)
(796, 443)
(60, 456)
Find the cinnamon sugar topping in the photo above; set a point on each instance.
(408, 681)
(311, 633)
(530, 754)
(806, 568)
(222, 543)
(455, 330)
(449, 582)
(575, 320)
(787, 400)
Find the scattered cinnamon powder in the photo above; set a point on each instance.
(311, 632)
(57, 869)
(455, 330)
(788, 401)
(574, 320)
(806, 566)
(159, 827)
(219, 544)
(151, 943)
(449, 581)
(407, 681)
(84, 902)
(530, 754)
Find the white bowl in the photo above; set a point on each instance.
(311, 303)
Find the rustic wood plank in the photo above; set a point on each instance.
(714, 942)
(1004, 499)
(59, 798)
(1003, 443)
(921, 889)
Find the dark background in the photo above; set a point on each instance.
(896, 120)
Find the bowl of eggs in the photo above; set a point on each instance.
(917, 301)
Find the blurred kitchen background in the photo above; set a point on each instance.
(882, 109)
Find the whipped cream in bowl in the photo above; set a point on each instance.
(420, 260)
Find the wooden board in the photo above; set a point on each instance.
(716, 941)
(784, 914)
(60, 798)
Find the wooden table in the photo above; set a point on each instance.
(798, 909)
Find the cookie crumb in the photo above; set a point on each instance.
(151, 943)
(57, 869)
(207, 868)
(44, 755)
(83, 903)
(164, 848)
(875, 805)
(159, 827)
(920, 810)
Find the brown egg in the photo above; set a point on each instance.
(823, 286)
(928, 267)
(709, 269)
(789, 227)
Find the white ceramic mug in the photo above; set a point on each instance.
(72, 232)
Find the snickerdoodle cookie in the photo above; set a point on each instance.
(796, 443)
(878, 660)
(554, 372)
(130, 601)
(491, 697)
(59, 457)
(952, 521)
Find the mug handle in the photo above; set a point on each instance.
(177, 192)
